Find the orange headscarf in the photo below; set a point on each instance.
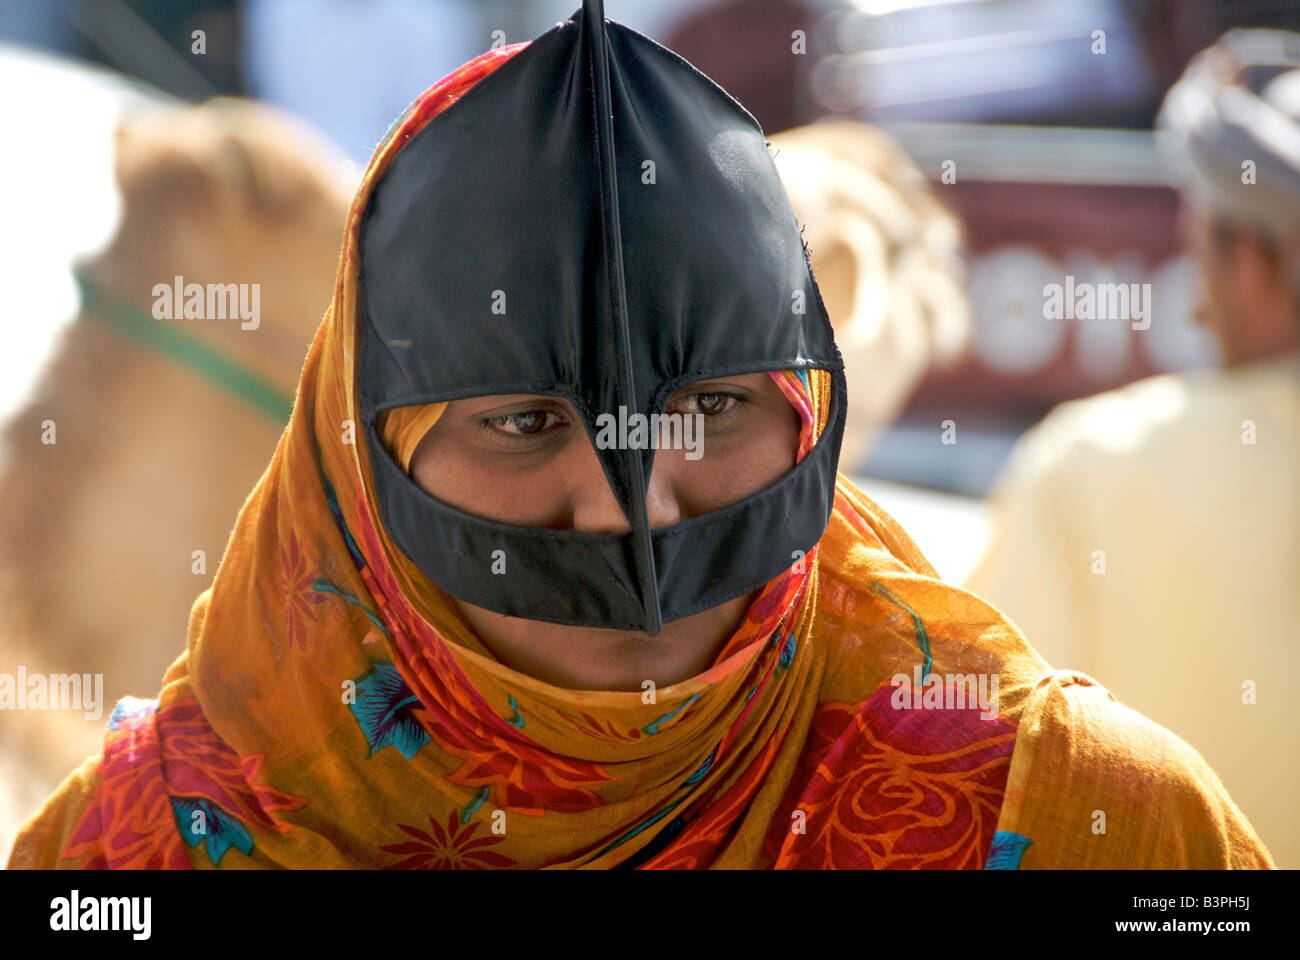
(331, 710)
(403, 429)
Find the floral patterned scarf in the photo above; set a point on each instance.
(331, 710)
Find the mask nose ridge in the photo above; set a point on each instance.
(596, 509)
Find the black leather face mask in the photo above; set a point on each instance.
(599, 221)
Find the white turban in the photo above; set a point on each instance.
(1233, 117)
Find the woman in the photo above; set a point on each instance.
(504, 631)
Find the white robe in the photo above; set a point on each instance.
(1198, 533)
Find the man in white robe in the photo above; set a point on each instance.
(1150, 536)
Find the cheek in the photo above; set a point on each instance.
(742, 466)
(772, 454)
(480, 484)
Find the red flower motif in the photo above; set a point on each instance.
(129, 823)
(889, 788)
(452, 849)
(602, 730)
(524, 777)
(299, 595)
(199, 764)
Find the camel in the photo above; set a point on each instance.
(887, 255)
(160, 428)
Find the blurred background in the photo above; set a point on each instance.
(1015, 143)
(1056, 166)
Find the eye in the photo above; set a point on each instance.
(709, 403)
(712, 404)
(526, 423)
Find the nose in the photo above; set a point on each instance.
(596, 509)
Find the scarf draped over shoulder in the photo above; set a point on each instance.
(331, 710)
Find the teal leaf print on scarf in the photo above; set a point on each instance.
(218, 828)
(1006, 851)
(384, 711)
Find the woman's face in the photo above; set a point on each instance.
(527, 460)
